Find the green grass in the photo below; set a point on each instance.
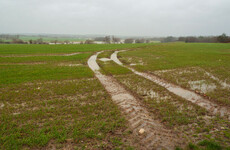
(105, 54)
(78, 111)
(19, 49)
(15, 70)
(51, 70)
(111, 68)
(79, 58)
(174, 112)
(213, 58)
(14, 74)
(55, 104)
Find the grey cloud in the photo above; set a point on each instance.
(119, 17)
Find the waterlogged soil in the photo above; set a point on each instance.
(151, 134)
(200, 81)
(177, 113)
(177, 90)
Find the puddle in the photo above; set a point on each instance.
(30, 63)
(202, 86)
(133, 64)
(141, 64)
(2, 105)
(17, 113)
(69, 65)
(105, 59)
(191, 71)
(186, 94)
(224, 84)
(69, 54)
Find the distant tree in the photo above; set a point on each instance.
(223, 38)
(66, 41)
(147, 41)
(182, 39)
(31, 41)
(140, 41)
(169, 39)
(39, 41)
(116, 40)
(18, 41)
(128, 41)
(99, 39)
(107, 40)
(89, 42)
(54, 41)
(190, 39)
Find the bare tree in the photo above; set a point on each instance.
(107, 40)
(140, 41)
(116, 40)
(89, 42)
(128, 41)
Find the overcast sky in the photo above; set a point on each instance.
(116, 17)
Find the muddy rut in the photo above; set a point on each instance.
(186, 94)
(151, 134)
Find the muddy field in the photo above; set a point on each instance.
(161, 96)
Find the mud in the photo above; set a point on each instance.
(186, 94)
(211, 76)
(156, 136)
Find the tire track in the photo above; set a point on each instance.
(150, 133)
(177, 90)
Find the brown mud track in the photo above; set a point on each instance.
(68, 54)
(151, 134)
(177, 90)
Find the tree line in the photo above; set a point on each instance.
(201, 39)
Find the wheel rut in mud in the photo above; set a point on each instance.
(186, 94)
(151, 134)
